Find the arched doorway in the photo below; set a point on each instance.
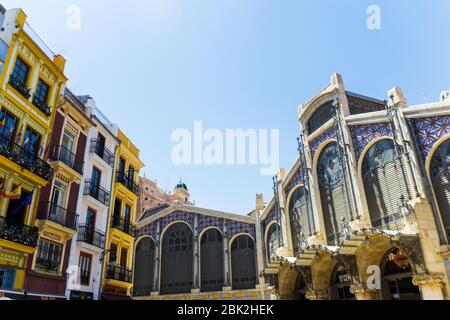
(341, 282)
(300, 288)
(385, 184)
(273, 241)
(144, 265)
(211, 261)
(243, 263)
(397, 275)
(335, 197)
(177, 260)
(299, 217)
(440, 178)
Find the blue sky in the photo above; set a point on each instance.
(154, 66)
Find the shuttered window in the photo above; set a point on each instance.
(335, 198)
(212, 261)
(177, 260)
(243, 263)
(386, 185)
(144, 265)
(300, 218)
(440, 177)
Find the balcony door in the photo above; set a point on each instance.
(17, 209)
(101, 141)
(91, 217)
(58, 202)
(121, 167)
(31, 143)
(95, 181)
(8, 130)
(67, 146)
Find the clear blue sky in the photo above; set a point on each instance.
(157, 65)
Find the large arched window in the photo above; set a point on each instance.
(440, 177)
(273, 241)
(144, 263)
(335, 196)
(177, 260)
(385, 184)
(212, 261)
(243, 263)
(300, 218)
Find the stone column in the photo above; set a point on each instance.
(259, 238)
(196, 269)
(156, 271)
(317, 295)
(226, 259)
(430, 285)
(361, 292)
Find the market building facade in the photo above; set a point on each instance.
(364, 211)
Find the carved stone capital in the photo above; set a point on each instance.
(362, 292)
(429, 280)
(317, 295)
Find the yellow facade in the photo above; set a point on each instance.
(117, 277)
(29, 119)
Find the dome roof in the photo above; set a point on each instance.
(181, 185)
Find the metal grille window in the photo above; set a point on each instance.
(385, 184)
(243, 263)
(212, 261)
(335, 198)
(48, 256)
(177, 260)
(440, 177)
(301, 225)
(273, 242)
(84, 265)
(144, 265)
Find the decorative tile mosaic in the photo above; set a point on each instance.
(429, 130)
(362, 135)
(314, 145)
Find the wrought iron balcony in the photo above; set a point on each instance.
(127, 182)
(42, 106)
(118, 273)
(20, 87)
(52, 212)
(91, 236)
(123, 225)
(102, 152)
(18, 232)
(17, 154)
(47, 264)
(61, 153)
(96, 192)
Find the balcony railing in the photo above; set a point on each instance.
(17, 154)
(96, 192)
(47, 264)
(67, 157)
(91, 236)
(123, 225)
(20, 87)
(127, 182)
(118, 273)
(52, 212)
(18, 232)
(42, 106)
(102, 152)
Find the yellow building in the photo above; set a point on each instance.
(30, 84)
(118, 258)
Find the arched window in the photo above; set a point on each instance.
(324, 113)
(341, 282)
(177, 260)
(335, 198)
(273, 241)
(243, 263)
(440, 177)
(212, 261)
(300, 218)
(385, 184)
(143, 271)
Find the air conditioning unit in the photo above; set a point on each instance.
(445, 96)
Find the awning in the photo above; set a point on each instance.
(111, 296)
